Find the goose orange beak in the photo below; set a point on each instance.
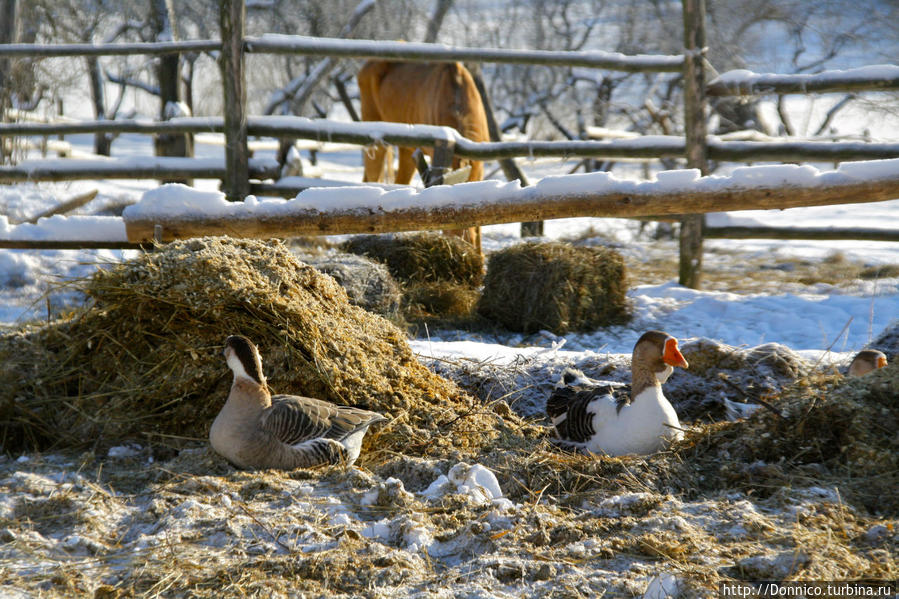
(881, 361)
(672, 355)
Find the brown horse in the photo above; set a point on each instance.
(441, 94)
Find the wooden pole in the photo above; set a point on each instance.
(690, 270)
(232, 15)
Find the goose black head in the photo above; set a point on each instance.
(243, 359)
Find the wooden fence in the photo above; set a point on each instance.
(238, 168)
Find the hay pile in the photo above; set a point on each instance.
(143, 359)
(555, 287)
(368, 284)
(888, 342)
(440, 274)
(835, 432)
(718, 370)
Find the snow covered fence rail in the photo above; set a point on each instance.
(366, 133)
(133, 167)
(423, 52)
(741, 82)
(178, 212)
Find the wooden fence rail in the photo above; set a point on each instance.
(328, 212)
(422, 52)
(365, 133)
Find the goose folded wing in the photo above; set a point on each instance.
(293, 420)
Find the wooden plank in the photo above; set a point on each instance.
(515, 205)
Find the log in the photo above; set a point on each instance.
(885, 78)
(420, 52)
(516, 204)
(810, 233)
(652, 147)
(157, 48)
(128, 168)
(66, 206)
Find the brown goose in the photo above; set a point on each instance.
(602, 417)
(256, 430)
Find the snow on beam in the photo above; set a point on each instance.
(369, 132)
(136, 167)
(154, 48)
(422, 52)
(182, 212)
(741, 82)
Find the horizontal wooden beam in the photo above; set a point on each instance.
(128, 168)
(422, 52)
(876, 78)
(510, 204)
(154, 48)
(809, 233)
(366, 133)
(48, 244)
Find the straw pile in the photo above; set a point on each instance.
(143, 359)
(440, 274)
(367, 283)
(556, 287)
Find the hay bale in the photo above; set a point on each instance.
(368, 284)
(556, 287)
(143, 359)
(440, 299)
(422, 257)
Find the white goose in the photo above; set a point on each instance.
(867, 360)
(256, 430)
(602, 417)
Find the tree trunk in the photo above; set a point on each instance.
(169, 77)
(102, 141)
(436, 21)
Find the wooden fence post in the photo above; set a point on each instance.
(690, 270)
(232, 15)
